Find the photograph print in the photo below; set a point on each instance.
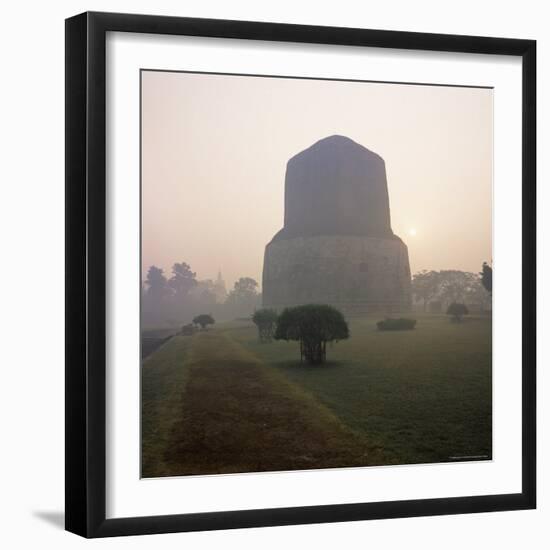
(316, 273)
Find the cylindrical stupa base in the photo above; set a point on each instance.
(358, 275)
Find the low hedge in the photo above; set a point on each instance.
(396, 324)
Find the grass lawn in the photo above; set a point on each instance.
(221, 401)
(153, 339)
(210, 406)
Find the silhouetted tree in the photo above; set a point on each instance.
(203, 320)
(182, 280)
(313, 326)
(455, 285)
(457, 311)
(487, 277)
(425, 285)
(478, 295)
(156, 282)
(244, 297)
(245, 286)
(155, 294)
(266, 320)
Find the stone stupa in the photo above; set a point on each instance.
(337, 246)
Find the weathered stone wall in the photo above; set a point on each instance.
(356, 274)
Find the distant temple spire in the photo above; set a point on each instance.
(219, 288)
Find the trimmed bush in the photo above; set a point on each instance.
(266, 321)
(313, 326)
(204, 320)
(457, 311)
(396, 324)
(188, 330)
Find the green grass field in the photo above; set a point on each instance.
(221, 401)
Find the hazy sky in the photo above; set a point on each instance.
(215, 150)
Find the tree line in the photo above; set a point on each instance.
(177, 298)
(446, 287)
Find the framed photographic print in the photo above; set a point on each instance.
(300, 274)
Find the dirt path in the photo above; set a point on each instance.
(237, 414)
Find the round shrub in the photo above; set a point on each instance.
(313, 326)
(396, 324)
(266, 320)
(457, 311)
(203, 320)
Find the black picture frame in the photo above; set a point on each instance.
(86, 269)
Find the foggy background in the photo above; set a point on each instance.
(215, 147)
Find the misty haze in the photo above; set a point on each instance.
(316, 274)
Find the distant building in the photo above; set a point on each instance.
(219, 289)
